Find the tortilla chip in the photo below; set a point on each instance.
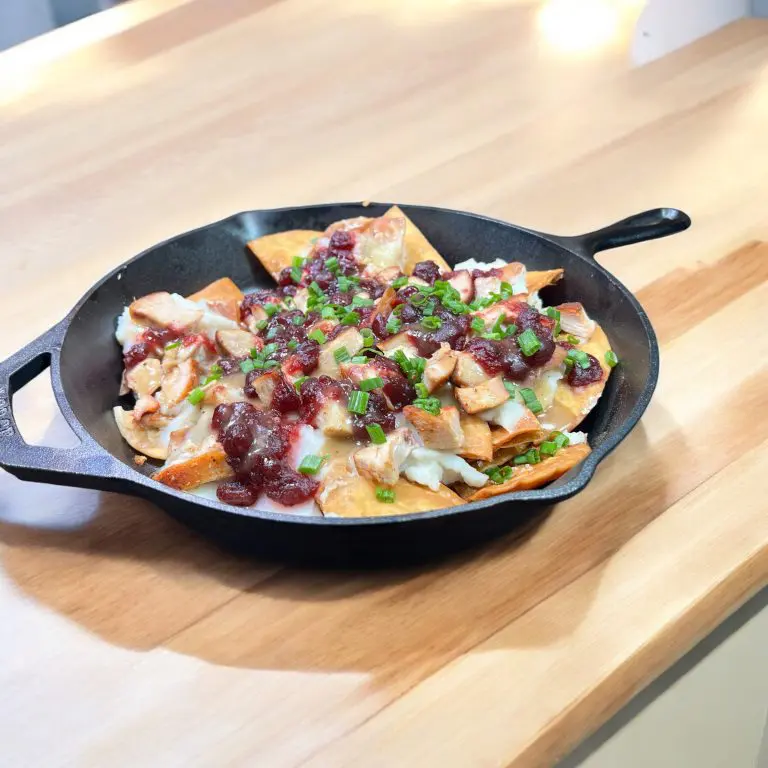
(346, 494)
(417, 247)
(570, 405)
(477, 439)
(535, 281)
(529, 476)
(206, 467)
(501, 438)
(276, 251)
(223, 296)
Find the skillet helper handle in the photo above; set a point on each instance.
(85, 465)
(649, 225)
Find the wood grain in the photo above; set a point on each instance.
(127, 639)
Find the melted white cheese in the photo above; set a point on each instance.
(127, 330)
(506, 415)
(576, 438)
(426, 466)
(483, 266)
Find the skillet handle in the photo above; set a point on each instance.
(86, 465)
(649, 225)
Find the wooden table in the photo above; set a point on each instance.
(127, 640)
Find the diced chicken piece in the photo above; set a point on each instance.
(381, 463)
(254, 317)
(398, 341)
(535, 281)
(146, 404)
(442, 432)
(222, 296)
(334, 420)
(463, 283)
(300, 299)
(226, 390)
(195, 459)
(236, 342)
(265, 387)
(439, 367)
(145, 378)
(468, 372)
(357, 372)
(161, 310)
(150, 442)
(179, 382)
(489, 394)
(383, 305)
(327, 365)
(508, 310)
(386, 276)
(477, 444)
(575, 320)
(513, 274)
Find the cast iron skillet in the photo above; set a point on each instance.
(86, 366)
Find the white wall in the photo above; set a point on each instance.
(666, 25)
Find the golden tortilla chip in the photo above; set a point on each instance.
(477, 439)
(535, 281)
(206, 467)
(417, 247)
(223, 296)
(529, 476)
(141, 438)
(276, 251)
(346, 494)
(570, 405)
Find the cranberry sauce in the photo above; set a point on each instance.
(396, 387)
(427, 271)
(580, 377)
(148, 343)
(256, 443)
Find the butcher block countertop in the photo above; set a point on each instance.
(127, 640)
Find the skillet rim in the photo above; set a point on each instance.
(572, 246)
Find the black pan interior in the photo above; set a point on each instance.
(91, 361)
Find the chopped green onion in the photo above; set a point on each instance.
(362, 301)
(368, 338)
(572, 339)
(292, 344)
(498, 475)
(373, 383)
(394, 324)
(261, 325)
(298, 261)
(328, 313)
(528, 342)
(421, 390)
(271, 309)
(257, 363)
(346, 284)
(341, 354)
(296, 274)
(429, 404)
(351, 318)
(431, 323)
(332, 265)
(579, 357)
(513, 389)
(429, 308)
(358, 402)
(548, 448)
(559, 439)
(246, 366)
(272, 364)
(298, 319)
(172, 345)
(271, 334)
(399, 282)
(310, 464)
(531, 456)
(611, 359)
(555, 315)
(530, 400)
(505, 290)
(478, 325)
(510, 330)
(196, 396)
(359, 360)
(376, 433)
(299, 382)
(418, 299)
(214, 375)
(269, 349)
(318, 336)
(314, 289)
(385, 495)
